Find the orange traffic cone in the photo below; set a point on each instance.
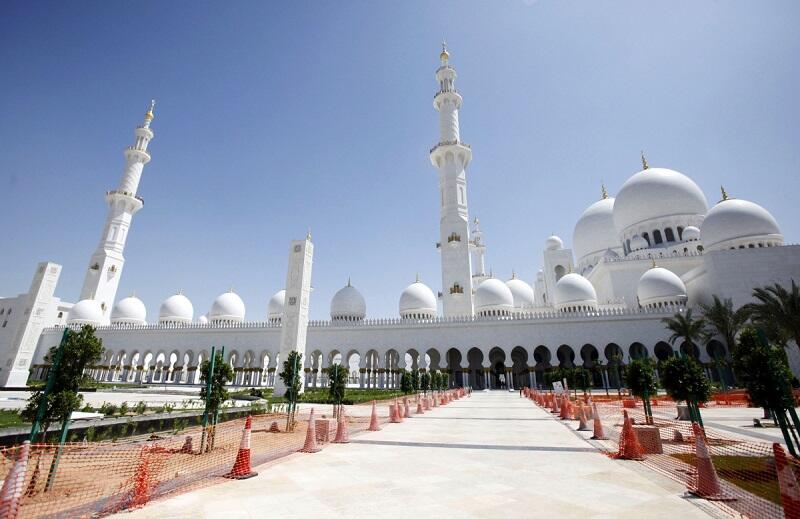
(393, 414)
(565, 405)
(14, 484)
(629, 447)
(341, 429)
(554, 407)
(599, 433)
(398, 410)
(274, 428)
(426, 402)
(435, 401)
(582, 425)
(405, 406)
(790, 492)
(373, 420)
(420, 410)
(311, 435)
(241, 467)
(705, 482)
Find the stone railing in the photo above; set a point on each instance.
(531, 315)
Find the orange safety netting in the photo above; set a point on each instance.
(744, 476)
(95, 479)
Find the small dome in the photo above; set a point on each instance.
(540, 275)
(521, 292)
(203, 319)
(553, 243)
(417, 301)
(735, 223)
(348, 304)
(595, 232)
(575, 292)
(493, 297)
(656, 193)
(691, 233)
(227, 307)
(660, 286)
(638, 243)
(176, 309)
(129, 310)
(611, 254)
(275, 306)
(86, 311)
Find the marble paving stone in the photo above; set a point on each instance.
(490, 455)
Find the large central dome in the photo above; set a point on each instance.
(656, 193)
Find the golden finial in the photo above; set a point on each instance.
(149, 115)
(444, 56)
(308, 234)
(230, 290)
(604, 193)
(491, 272)
(513, 274)
(653, 261)
(417, 281)
(644, 161)
(724, 194)
(348, 281)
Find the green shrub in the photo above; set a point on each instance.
(123, 408)
(108, 409)
(140, 408)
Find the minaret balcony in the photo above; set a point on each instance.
(454, 150)
(134, 201)
(133, 151)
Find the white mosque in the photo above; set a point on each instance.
(652, 251)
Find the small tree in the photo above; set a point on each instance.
(291, 379)
(723, 320)
(405, 382)
(762, 369)
(640, 379)
(337, 383)
(581, 379)
(80, 349)
(683, 379)
(424, 382)
(415, 380)
(215, 395)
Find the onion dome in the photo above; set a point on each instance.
(275, 306)
(553, 243)
(417, 301)
(86, 311)
(521, 292)
(657, 193)
(691, 233)
(734, 223)
(129, 310)
(493, 298)
(203, 319)
(659, 286)
(595, 232)
(575, 293)
(638, 243)
(227, 307)
(348, 304)
(176, 309)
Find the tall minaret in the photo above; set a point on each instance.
(479, 251)
(105, 266)
(450, 157)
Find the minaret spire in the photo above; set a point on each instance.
(451, 156)
(105, 265)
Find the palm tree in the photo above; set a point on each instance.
(685, 327)
(778, 311)
(721, 319)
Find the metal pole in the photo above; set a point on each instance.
(208, 394)
(51, 380)
(51, 477)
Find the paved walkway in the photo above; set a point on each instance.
(492, 455)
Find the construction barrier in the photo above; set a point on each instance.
(741, 475)
(94, 479)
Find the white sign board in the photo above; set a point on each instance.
(558, 388)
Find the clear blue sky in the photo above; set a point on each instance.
(273, 117)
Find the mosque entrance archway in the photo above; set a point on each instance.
(519, 359)
(497, 359)
(475, 359)
(454, 367)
